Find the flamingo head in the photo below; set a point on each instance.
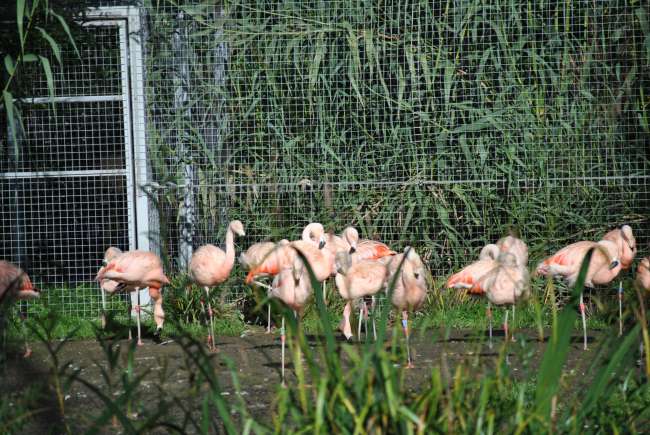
(315, 233)
(111, 252)
(490, 251)
(351, 236)
(237, 227)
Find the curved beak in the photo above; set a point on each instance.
(353, 249)
(417, 275)
(321, 244)
(614, 264)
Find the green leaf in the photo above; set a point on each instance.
(48, 74)
(66, 29)
(20, 16)
(29, 57)
(53, 44)
(557, 350)
(605, 375)
(8, 99)
(9, 64)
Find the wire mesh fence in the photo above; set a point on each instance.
(438, 125)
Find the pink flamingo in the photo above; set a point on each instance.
(626, 242)
(603, 267)
(469, 278)
(366, 249)
(253, 256)
(210, 266)
(345, 243)
(506, 283)
(356, 281)
(516, 247)
(284, 255)
(15, 284)
(410, 289)
(292, 286)
(134, 270)
(107, 285)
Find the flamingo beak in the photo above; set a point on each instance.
(353, 249)
(321, 244)
(417, 275)
(614, 264)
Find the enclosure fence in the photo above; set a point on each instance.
(438, 125)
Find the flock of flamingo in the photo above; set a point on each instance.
(360, 268)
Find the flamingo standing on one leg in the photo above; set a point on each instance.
(15, 284)
(518, 248)
(292, 286)
(210, 266)
(134, 270)
(603, 267)
(626, 242)
(356, 281)
(506, 283)
(253, 256)
(410, 289)
(469, 278)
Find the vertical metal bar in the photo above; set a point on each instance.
(187, 209)
(144, 233)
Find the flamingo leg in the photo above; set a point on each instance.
(505, 325)
(405, 328)
(130, 308)
(137, 312)
(620, 308)
(374, 327)
(365, 317)
(513, 322)
(345, 326)
(283, 339)
(103, 317)
(584, 321)
(213, 347)
(360, 319)
(489, 316)
(268, 319)
(325, 292)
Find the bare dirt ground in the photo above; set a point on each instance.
(256, 359)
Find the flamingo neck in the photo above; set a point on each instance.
(230, 249)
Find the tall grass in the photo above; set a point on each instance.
(438, 126)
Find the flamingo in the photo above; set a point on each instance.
(345, 243)
(469, 278)
(133, 270)
(506, 283)
(516, 247)
(210, 266)
(366, 249)
(355, 281)
(603, 267)
(292, 286)
(410, 289)
(253, 256)
(283, 256)
(107, 285)
(626, 242)
(15, 284)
